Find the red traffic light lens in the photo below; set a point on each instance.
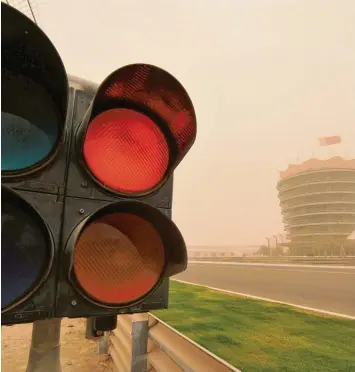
(118, 258)
(126, 151)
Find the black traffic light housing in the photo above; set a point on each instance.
(87, 198)
(34, 90)
(97, 188)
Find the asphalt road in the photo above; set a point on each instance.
(331, 289)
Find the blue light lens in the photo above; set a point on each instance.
(29, 124)
(25, 254)
(24, 144)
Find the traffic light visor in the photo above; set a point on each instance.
(26, 249)
(34, 95)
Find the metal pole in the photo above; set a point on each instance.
(276, 242)
(90, 333)
(103, 346)
(269, 246)
(45, 346)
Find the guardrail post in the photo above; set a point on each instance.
(45, 346)
(139, 343)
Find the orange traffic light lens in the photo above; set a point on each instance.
(118, 258)
(126, 151)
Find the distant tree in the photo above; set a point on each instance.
(263, 250)
(278, 251)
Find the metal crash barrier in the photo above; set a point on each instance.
(144, 343)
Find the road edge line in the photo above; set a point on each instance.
(261, 264)
(226, 291)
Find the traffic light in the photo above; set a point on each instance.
(34, 138)
(86, 218)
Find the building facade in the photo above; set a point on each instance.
(317, 200)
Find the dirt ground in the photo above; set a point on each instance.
(77, 353)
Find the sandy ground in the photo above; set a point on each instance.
(77, 353)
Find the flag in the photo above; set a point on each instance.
(326, 141)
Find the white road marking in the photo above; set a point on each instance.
(351, 272)
(269, 300)
(333, 267)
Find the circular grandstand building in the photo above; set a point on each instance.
(317, 199)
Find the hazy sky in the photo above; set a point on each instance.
(267, 78)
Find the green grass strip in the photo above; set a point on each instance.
(261, 336)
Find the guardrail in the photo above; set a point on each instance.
(144, 343)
